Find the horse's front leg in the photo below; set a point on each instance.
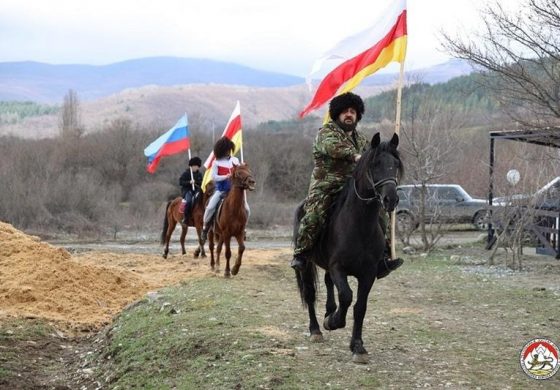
(220, 241)
(337, 319)
(359, 353)
(211, 247)
(184, 230)
(331, 303)
(168, 234)
(227, 272)
(200, 250)
(240, 250)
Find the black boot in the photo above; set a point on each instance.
(185, 218)
(299, 262)
(387, 266)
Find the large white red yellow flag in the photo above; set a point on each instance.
(234, 133)
(361, 55)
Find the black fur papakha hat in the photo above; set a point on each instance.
(344, 101)
(195, 161)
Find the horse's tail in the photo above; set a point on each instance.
(165, 224)
(307, 284)
(298, 215)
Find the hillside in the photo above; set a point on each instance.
(153, 92)
(460, 94)
(159, 107)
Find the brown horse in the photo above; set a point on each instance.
(173, 217)
(231, 218)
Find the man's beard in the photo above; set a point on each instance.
(347, 127)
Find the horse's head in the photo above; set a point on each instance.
(242, 176)
(379, 171)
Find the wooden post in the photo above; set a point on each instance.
(397, 131)
(190, 168)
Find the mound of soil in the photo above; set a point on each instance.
(40, 280)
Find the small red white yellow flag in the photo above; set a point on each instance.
(234, 133)
(361, 55)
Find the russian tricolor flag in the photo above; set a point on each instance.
(175, 140)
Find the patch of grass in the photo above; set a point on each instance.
(433, 323)
(22, 329)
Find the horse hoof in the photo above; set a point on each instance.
(360, 358)
(326, 323)
(164, 255)
(203, 256)
(227, 275)
(235, 270)
(316, 338)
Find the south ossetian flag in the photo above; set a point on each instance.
(234, 133)
(175, 140)
(361, 55)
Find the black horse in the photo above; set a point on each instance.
(352, 242)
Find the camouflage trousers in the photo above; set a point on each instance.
(316, 208)
(311, 223)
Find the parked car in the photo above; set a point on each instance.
(445, 203)
(532, 210)
(546, 198)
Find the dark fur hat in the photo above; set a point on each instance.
(344, 101)
(195, 161)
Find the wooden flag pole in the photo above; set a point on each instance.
(190, 168)
(241, 151)
(397, 131)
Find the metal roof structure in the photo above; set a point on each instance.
(547, 136)
(548, 235)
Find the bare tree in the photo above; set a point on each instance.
(429, 143)
(70, 117)
(520, 54)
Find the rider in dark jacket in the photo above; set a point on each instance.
(186, 182)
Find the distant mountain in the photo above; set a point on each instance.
(439, 73)
(48, 83)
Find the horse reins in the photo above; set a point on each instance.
(377, 195)
(243, 184)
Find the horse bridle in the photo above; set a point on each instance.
(243, 184)
(379, 183)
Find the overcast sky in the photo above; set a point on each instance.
(276, 35)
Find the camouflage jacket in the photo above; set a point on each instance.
(333, 152)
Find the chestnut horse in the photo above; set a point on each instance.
(174, 217)
(231, 218)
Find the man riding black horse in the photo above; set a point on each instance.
(337, 148)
